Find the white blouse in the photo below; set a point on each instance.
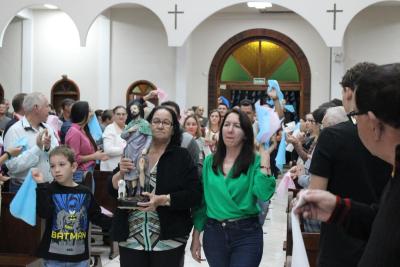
(113, 146)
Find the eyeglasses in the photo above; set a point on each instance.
(165, 123)
(352, 115)
(310, 120)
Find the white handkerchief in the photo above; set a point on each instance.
(299, 254)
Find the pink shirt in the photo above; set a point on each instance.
(80, 143)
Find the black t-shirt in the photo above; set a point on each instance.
(68, 211)
(352, 173)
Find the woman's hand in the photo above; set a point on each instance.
(100, 155)
(154, 202)
(37, 175)
(14, 151)
(3, 178)
(125, 166)
(195, 247)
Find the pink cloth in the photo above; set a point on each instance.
(162, 95)
(285, 184)
(77, 140)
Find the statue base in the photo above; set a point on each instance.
(131, 202)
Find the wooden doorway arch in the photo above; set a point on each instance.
(62, 89)
(139, 89)
(1, 92)
(264, 34)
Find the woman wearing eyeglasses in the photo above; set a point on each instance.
(155, 234)
(233, 180)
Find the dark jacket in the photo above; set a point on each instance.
(176, 175)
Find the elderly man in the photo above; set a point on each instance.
(36, 137)
(376, 114)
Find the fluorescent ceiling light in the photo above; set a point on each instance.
(259, 5)
(48, 6)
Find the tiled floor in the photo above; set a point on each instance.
(274, 235)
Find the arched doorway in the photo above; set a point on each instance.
(139, 89)
(1, 92)
(64, 88)
(275, 53)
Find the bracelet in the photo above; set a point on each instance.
(265, 167)
(8, 154)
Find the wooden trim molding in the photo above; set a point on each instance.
(280, 39)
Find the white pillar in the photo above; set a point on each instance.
(104, 66)
(181, 74)
(336, 72)
(27, 52)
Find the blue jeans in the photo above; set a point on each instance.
(233, 244)
(264, 206)
(54, 263)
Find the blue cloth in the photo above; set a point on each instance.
(55, 263)
(290, 108)
(280, 159)
(274, 84)
(23, 206)
(23, 143)
(94, 128)
(225, 101)
(263, 123)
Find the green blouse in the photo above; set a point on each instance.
(232, 198)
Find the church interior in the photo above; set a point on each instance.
(108, 51)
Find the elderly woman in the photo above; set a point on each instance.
(80, 140)
(155, 234)
(233, 180)
(113, 143)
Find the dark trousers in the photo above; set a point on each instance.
(233, 244)
(132, 257)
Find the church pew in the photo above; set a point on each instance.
(18, 240)
(105, 200)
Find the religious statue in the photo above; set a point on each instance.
(138, 137)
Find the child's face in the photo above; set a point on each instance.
(62, 170)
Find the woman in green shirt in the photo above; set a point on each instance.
(233, 180)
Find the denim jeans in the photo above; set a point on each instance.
(233, 244)
(54, 263)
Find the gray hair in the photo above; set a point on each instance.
(33, 99)
(334, 115)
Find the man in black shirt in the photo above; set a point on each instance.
(342, 165)
(376, 113)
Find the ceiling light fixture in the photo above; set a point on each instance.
(48, 6)
(259, 5)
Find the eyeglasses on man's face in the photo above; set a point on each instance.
(157, 122)
(353, 115)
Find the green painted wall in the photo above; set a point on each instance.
(232, 71)
(286, 72)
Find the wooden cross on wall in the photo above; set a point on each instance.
(176, 12)
(334, 11)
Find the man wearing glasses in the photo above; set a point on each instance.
(377, 115)
(342, 165)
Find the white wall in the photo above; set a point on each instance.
(211, 34)
(57, 51)
(374, 36)
(139, 51)
(10, 59)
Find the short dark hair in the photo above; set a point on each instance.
(118, 107)
(98, 112)
(65, 151)
(174, 105)
(176, 137)
(246, 103)
(379, 91)
(352, 75)
(17, 101)
(106, 115)
(320, 112)
(67, 102)
(246, 155)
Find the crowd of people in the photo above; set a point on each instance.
(213, 174)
